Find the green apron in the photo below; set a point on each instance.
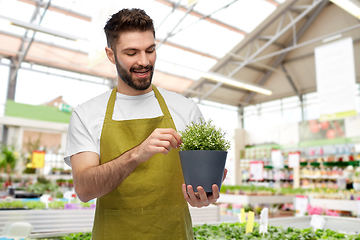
(149, 203)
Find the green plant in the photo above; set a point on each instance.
(204, 136)
(75, 236)
(57, 205)
(8, 159)
(35, 205)
(12, 205)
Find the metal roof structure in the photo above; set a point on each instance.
(266, 43)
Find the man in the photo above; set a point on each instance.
(123, 144)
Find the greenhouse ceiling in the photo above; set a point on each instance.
(205, 48)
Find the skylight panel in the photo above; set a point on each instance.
(245, 15)
(208, 38)
(182, 63)
(16, 9)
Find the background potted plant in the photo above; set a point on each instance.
(203, 155)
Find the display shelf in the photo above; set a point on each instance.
(262, 199)
(334, 204)
(321, 178)
(52, 223)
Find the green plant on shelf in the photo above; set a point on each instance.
(57, 205)
(35, 205)
(18, 204)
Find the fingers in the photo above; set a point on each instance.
(200, 198)
(169, 137)
(225, 173)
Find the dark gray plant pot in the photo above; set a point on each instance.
(203, 168)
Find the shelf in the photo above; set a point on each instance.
(245, 199)
(334, 204)
(321, 178)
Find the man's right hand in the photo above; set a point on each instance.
(161, 140)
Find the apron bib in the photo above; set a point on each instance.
(149, 203)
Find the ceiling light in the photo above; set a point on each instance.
(351, 6)
(235, 83)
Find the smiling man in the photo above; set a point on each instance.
(123, 145)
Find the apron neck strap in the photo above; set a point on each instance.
(161, 101)
(111, 103)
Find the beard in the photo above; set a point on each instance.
(138, 84)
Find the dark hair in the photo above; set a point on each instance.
(127, 20)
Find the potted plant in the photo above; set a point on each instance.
(8, 159)
(203, 155)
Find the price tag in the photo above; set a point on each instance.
(46, 198)
(69, 195)
(250, 222)
(242, 216)
(317, 222)
(256, 170)
(294, 160)
(264, 215)
(301, 203)
(358, 207)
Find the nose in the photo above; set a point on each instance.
(143, 60)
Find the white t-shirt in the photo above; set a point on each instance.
(87, 119)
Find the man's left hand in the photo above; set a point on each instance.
(200, 199)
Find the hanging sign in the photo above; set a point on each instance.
(294, 159)
(256, 170)
(336, 79)
(38, 159)
(277, 159)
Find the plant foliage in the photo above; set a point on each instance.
(237, 231)
(204, 136)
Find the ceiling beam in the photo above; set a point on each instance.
(248, 40)
(59, 9)
(311, 54)
(296, 91)
(276, 36)
(202, 16)
(280, 58)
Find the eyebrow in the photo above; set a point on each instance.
(135, 49)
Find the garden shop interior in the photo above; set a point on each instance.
(281, 79)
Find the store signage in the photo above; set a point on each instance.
(358, 207)
(65, 108)
(277, 159)
(294, 159)
(38, 159)
(336, 79)
(256, 170)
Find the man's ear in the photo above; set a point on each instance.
(110, 54)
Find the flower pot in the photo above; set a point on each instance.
(203, 168)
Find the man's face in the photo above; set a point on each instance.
(135, 59)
